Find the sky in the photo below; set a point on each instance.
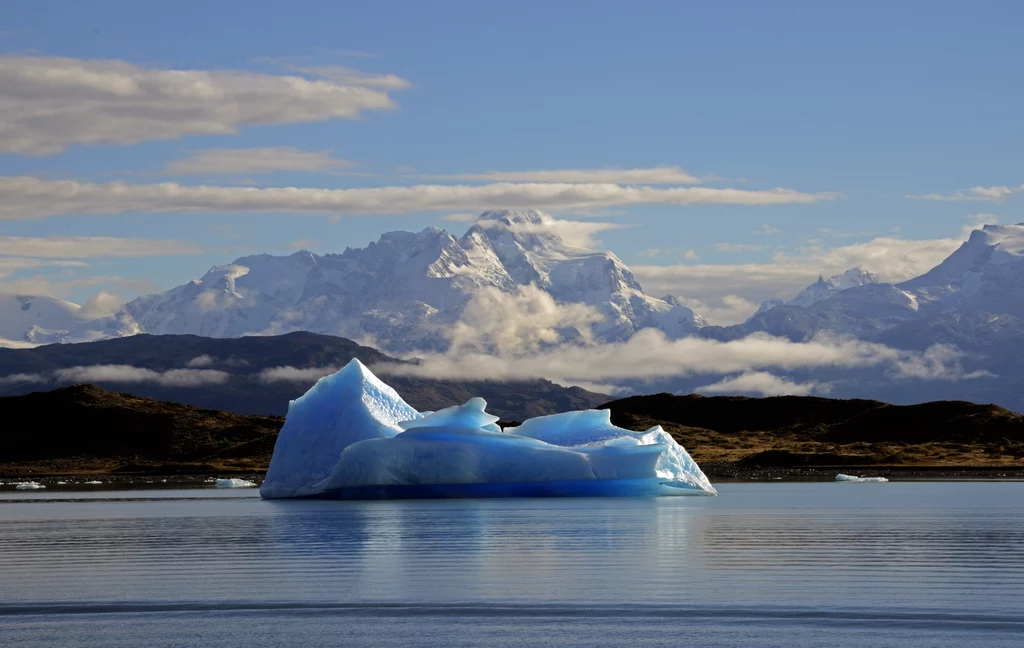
(742, 148)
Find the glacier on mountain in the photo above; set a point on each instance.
(30, 320)
(407, 289)
(353, 437)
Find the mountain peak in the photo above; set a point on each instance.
(824, 288)
(513, 216)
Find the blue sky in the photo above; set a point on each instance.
(854, 106)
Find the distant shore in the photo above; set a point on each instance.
(717, 472)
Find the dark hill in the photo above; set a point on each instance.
(809, 431)
(245, 390)
(84, 426)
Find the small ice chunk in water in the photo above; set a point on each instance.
(29, 486)
(234, 482)
(855, 479)
(352, 436)
(92, 483)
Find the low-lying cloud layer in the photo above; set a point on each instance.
(130, 374)
(762, 383)
(650, 355)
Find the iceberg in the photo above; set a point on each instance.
(235, 482)
(353, 437)
(29, 486)
(855, 479)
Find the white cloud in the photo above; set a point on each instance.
(49, 103)
(21, 378)
(241, 161)
(200, 361)
(761, 383)
(92, 247)
(767, 230)
(10, 265)
(990, 194)
(575, 233)
(892, 259)
(690, 255)
(524, 321)
(465, 217)
(37, 285)
(130, 374)
(348, 76)
(722, 308)
(668, 175)
(294, 374)
(738, 247)
(650, 355)
(102, 304)
(16, 344)
(27, 197)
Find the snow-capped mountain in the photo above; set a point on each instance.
(32, 320)
(822, 289)
(404, 291)
(984, 276)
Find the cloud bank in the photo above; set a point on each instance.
(253, 161)
(995, 194)
(91, 247)
(762, 383)
(650, 355)
(50, 103)
(25, 197)
(130, 374)
(668, 175)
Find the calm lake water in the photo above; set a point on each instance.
(785, 564)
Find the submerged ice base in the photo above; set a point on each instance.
(353, 437)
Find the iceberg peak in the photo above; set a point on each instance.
(472, 415)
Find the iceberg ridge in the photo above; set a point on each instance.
(353, 437)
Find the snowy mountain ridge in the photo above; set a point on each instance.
(29, 320)
(404, 291)
(983, 277)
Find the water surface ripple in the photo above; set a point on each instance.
(898, 564)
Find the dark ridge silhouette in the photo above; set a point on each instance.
(244, 391)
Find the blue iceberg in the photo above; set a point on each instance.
(353, 437)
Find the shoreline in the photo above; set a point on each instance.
(717, 472)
